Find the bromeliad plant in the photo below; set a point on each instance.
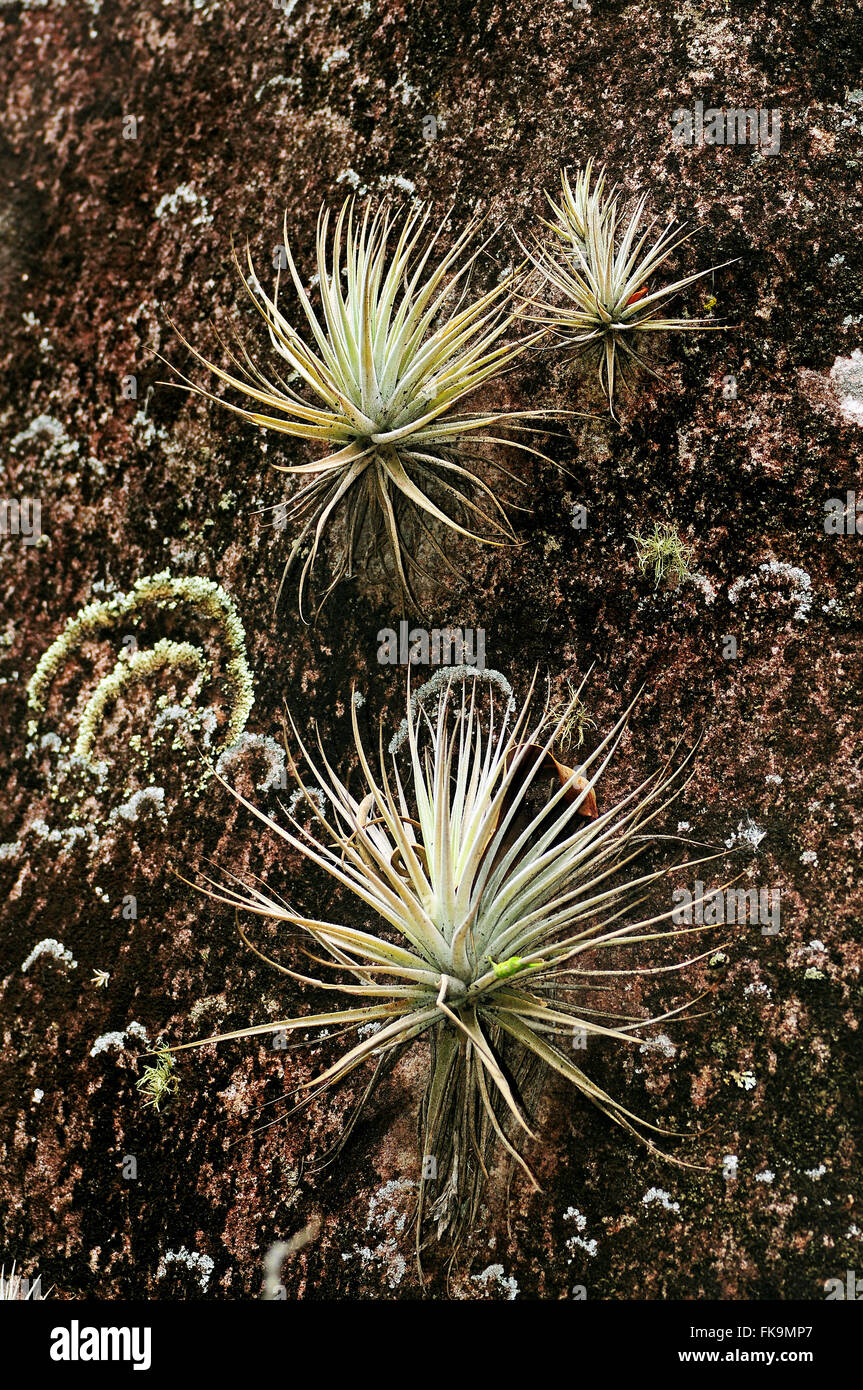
(499, 906)
(395, 348)
(601, 268)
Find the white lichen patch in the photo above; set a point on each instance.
(386, 1221)
(199, 1265)
(708, 589)
(53, 948)
(766, 1175)
(352, 179)
(729, 1167)
(66, 839)
(405, 90)
(578, 1242)
(51, 437)
(199, 725)
(747, 833)
(117, 1041)
(184, 195)
(658, 1194)
(792, 577)
(383, 1212)
(216, 1002)
(661, 1043)
(847, 376)
(145, 430)
(276, 773)
(153, 797)
(494, 1278)
(280, 80)
(300, 798)
(816, 1174)
(387, 181)
(338, 55)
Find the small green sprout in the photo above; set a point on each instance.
(158, 1083)
(513, 965)
(666, 553)
(574, 721)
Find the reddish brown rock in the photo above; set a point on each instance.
(243, 111)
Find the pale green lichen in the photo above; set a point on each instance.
(159, 591)
(129, 669)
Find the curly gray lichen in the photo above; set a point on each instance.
(160, 591)
(135, 667)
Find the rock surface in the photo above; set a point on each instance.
(135, 141)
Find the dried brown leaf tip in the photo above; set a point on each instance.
(576, 789)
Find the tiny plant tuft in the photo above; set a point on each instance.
(575, 723)
(666, 554)
(157, 1083)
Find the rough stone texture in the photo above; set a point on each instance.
(245, 110)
